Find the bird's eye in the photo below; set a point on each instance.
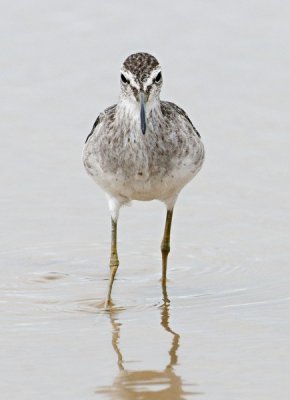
(124, 79)
(158, 77)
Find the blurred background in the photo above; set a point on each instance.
(227, 326)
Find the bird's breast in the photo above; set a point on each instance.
(141, 167)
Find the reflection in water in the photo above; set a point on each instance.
(146, 384)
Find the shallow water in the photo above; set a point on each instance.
(224, 334)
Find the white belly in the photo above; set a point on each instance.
(141, 186)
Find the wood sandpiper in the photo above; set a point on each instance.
(142, 148)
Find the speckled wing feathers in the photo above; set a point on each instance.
(169, 108)
(93, 128)
(110, 110)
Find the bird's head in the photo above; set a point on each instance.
(141, 81)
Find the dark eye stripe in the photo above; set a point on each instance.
(158, 77)
(124, 79)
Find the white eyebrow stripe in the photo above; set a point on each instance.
(128, 75)
(151, 77)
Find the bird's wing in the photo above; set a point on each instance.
(181, 112)
(107, 110)
(93, 128)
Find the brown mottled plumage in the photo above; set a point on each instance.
(142, 148)
(140, 65)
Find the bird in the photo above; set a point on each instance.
(142, 148)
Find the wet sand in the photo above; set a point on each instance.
(224, 331)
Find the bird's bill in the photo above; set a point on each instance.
(142, 113)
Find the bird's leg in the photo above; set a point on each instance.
(114, 261)
(165, 245)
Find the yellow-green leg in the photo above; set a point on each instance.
(165, 245)
(114, 261)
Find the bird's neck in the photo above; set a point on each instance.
(128, 109)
